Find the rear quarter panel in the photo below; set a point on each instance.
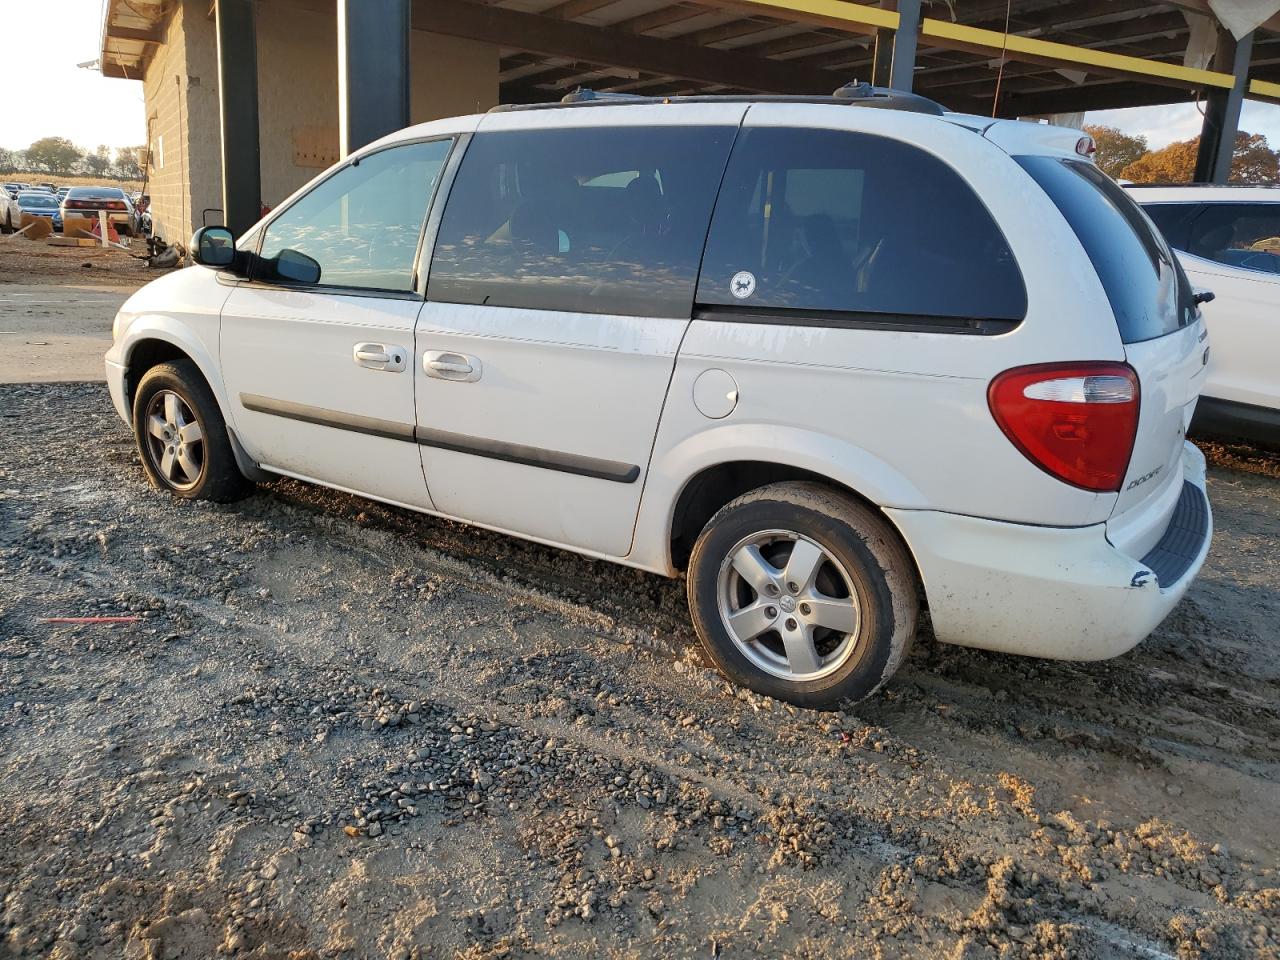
(900, 417)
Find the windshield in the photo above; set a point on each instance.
(1144, 283)
(35, 199)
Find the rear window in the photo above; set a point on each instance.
(1146, 287)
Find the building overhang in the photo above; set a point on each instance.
(131, 29)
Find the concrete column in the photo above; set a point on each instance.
(373, 70)
(1222, 109)
(904, 45)
(238, 107)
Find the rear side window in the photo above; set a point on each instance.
(582, 220)
(845, 226)
(1148, 292)
(1244, 235)
(1174, 220)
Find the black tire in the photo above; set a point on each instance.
(877, 572)
(218, 478)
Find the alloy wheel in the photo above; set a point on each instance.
(175, 440)
(789, 605)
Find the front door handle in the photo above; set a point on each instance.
(446, 365)
(380, 356)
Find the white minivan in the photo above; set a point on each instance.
(834, 363)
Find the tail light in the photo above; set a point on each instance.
(114, 205)
(1075, 421)
(78, 204)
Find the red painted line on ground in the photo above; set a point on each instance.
(90, 619)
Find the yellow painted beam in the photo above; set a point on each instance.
(1017, 47)
(835, 13)
(1265, 88)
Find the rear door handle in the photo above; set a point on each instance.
(380, 356)
(445, 365)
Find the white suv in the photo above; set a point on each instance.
(831, 361)
(1228, 239)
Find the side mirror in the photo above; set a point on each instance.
(213, 247)
(1201, 295)
(297, 267)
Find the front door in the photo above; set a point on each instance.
(560, 288)
(320, 375)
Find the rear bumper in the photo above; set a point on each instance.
(1058, 593)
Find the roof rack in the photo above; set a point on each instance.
(851, 94)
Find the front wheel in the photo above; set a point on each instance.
(182, 437)
(802, 593)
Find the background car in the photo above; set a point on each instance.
(12, 188)
(1228, 239)
(10, 213)
(87, 201)
(40, 203)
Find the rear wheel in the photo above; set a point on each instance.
(802, 593)
(182, 437)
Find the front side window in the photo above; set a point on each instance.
(588, 220)
(824, 220)
(363, 223)
(1244, 235)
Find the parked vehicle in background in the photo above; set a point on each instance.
(87, 201)
(826, 359)
(41, 203)
(13, 189)
(1228, 239)
(10, 212)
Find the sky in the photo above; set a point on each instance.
(46, 95)
(57, 98)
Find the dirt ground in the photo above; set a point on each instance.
(24, 261)
(343, 730)
(56, 307)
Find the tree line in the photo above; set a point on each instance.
(1129, 158)
(61, 157)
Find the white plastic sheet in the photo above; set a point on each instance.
(1243, 16)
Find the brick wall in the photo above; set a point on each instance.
(298, 104)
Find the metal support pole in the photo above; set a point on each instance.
(1222, 110)
(882, 57)
(238, 106)
(373, 70)
(904, 45)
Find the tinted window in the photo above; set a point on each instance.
(1148, 291)
(1245, 235)
(1174, 220)
(362, 224)
(824, 220)
(587, 220)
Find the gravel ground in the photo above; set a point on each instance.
(343, 730)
